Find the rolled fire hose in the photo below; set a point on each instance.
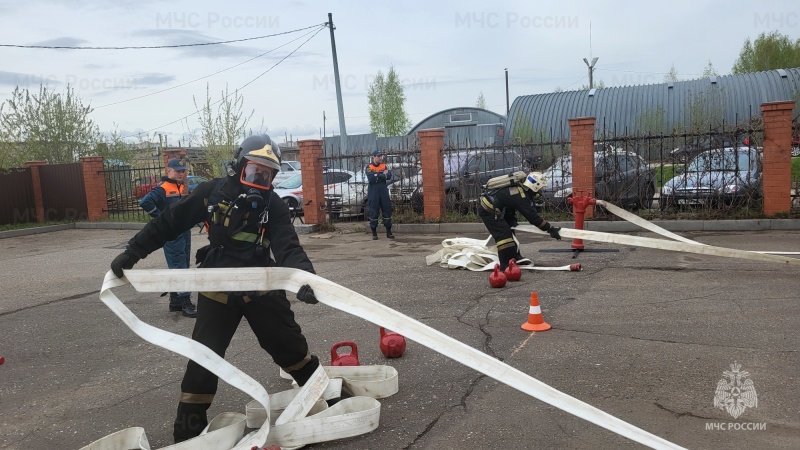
(476, 255)
(347, 418)
(339, 297)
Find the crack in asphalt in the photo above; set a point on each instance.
(678, 415)
(58, 300)
(673, 342)
(699, 297)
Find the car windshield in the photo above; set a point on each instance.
(293, 182)
(709, 161)
(453, 161)
(561, 169)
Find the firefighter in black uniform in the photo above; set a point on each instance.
(498, 212)
(246, 220)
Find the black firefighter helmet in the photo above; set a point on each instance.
(255, 154)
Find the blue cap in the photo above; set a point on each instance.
(377, 153)
(176, 164)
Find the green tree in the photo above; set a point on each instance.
(709, 71)
(769, 51)
(48, 126)
(481, 102)
(223, 124)
(386, 97)
(672, 75)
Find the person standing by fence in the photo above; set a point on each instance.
(378, 194)
(171, 190)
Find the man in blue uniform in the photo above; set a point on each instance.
(378, 194)
(170, 191)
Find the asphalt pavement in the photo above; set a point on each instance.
(644, 335)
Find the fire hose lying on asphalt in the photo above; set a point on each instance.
(683, 244)
(294, 427)
(477, 255)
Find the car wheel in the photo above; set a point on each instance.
(796, 151)
(290, 202)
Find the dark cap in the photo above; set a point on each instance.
(377, 153)
(176, 164)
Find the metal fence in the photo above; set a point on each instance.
(17, 204)
(63, 192)
(716, 174)
(126, 184)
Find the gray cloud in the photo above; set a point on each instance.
(24, 79)
(153, 79)
(181, 37)
(65, 41)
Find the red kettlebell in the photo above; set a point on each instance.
(513, 272)
(393, 345)
(2, 360)
(344, 359)
(497, 279)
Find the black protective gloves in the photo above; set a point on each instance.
(124, 260)
(553, 232)
(306, 294)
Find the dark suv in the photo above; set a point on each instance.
(621, 177)
(465, 173)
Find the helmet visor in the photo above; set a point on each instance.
(257, 175)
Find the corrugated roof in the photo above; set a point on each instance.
(737, 97)
(444, 118)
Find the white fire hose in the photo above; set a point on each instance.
(342, 419)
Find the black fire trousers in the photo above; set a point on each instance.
(271, 319)
(503, 236)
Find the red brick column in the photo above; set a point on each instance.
(431, 144)
(581, 130)
(777, 157)
(37, 188)
(313, 197)
(94, 183)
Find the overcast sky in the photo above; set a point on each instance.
(446, 53)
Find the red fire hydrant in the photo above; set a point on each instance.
(579, 205)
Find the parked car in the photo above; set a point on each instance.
(193, 180)
(141, 186)
(349, 199)
(465, 174)
(622, 177)
(796, 145)
(288, 168)
(694, 145)
(725, 176)
(290, 190)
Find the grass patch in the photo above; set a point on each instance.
(796, 169)
(22, 226)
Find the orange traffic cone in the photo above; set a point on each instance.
(535, 320)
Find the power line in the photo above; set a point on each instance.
(240, 87)
(203, 77)
(65, 47)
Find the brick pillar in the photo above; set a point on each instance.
(581, 130)
(37, 188)
(777, 157)
(313, 197)
(94, 183)
(431, 144)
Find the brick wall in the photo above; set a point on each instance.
(313, 195)
(94, 182)
(431, 144)
(581, 130)
(36, 180)
(777, 157)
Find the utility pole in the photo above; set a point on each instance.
(508, 108)
(591, 70)
(342, 130)
(324, 131)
